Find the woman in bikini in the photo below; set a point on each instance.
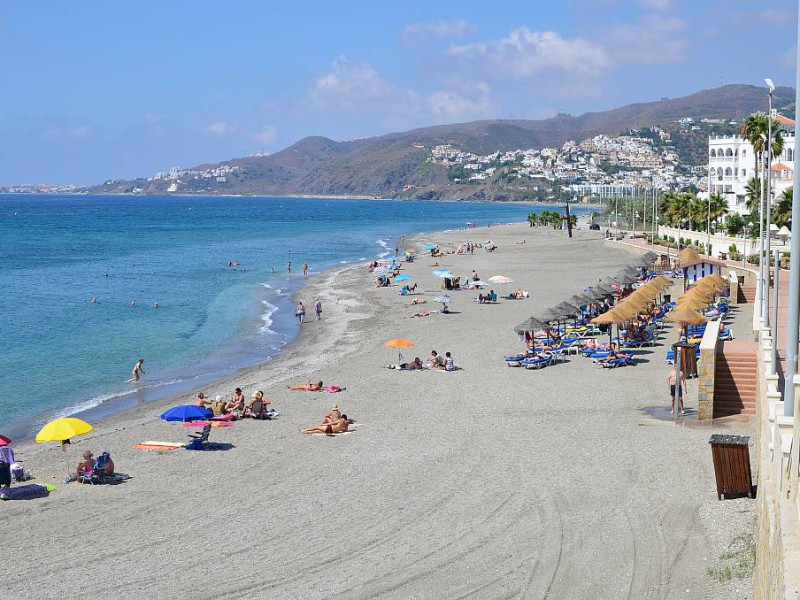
(307, 387)
(137, 372)
(337, 426)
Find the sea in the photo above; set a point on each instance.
(197, 286)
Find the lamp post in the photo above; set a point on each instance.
(761, 286)
(768, 200)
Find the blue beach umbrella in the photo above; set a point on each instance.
(187, 412)
(402, 277)
(431, 247)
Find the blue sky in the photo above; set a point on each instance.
(95, 90)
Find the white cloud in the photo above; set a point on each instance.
(454, 28)
(655, 40)
(769, 16)
(348, 85)
(471, 103)
(217, 128)
(664, 5)
(524, 53)
(266, 136)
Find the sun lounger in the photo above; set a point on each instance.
(537, 362)
(617, 362)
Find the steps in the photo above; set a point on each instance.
(735, 383)
(747, 294)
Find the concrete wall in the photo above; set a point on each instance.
(719, 243)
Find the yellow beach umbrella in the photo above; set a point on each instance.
(62, 430)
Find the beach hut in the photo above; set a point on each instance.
(696, 267)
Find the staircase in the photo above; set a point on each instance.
(747, 294)
(735, 380)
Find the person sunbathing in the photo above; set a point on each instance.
(408, 366)
(86, 466)
(307, 387)
(201, 400)
(337, 426)
(426, 313)
(434, 360)
(235, 406)
(417, 301)
(332, 416)
(257, 397)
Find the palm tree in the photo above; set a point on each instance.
(755, 130)
(782, 213)
(753, 194)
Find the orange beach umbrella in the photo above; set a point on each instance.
(399, 343)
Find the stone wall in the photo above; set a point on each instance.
(706, 370)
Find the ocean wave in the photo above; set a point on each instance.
(267, 317)
(266, 285)
(102, 398)
(383, 243)
(344, 262)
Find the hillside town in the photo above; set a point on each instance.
(599, 166)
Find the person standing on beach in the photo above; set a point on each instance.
(300, 313)
(672, 380)
(305, 270)
(137, 371)
(318, 308)
(289, 267)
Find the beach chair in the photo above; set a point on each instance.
(256, 411)
(537, 362)
(617, 362)
(199, 440)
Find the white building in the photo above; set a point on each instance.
(732, 163)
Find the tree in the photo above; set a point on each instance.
(755, 130)
(782, 213)
(736, 224)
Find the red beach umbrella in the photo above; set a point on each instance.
(4, 441)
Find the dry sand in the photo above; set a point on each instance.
(488, 482)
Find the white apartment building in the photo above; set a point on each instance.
(732, 163)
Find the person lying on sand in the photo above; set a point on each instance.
(426, 313)
(307, 387)
(337, 426)
(413, 365)
(416, 301)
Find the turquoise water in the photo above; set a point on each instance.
(62, 354)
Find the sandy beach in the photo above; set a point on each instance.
(487, 482)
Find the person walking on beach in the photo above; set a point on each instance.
(318, 308)
(300, 312)
(672, 380)
(289, 267)
(305, 270)
(137, 372)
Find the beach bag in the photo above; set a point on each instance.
(19, 473)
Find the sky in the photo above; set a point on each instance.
(95, 90)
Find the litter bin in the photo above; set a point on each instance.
(688, 358)
(731, 454)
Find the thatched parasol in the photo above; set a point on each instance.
(686, 316)
(687, 257)
(530, 324)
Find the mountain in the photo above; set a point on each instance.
(396, 165)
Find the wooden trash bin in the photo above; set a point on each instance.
(731, 455)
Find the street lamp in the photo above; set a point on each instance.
(767, 232)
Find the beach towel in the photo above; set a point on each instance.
(25, 492)
(150, 445)
(332, 389)
(350, 429)
(228, 417)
